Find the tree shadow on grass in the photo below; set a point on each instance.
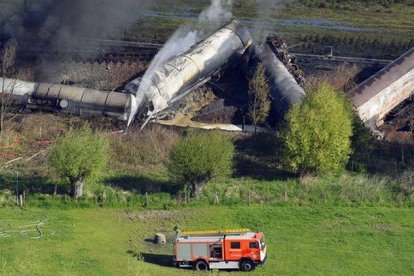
(383, 158)
(32, 184)
(259, 168)
(257, 157)
(142, 184)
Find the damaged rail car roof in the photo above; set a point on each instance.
(379, 94)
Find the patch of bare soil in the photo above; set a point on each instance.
(399, 123)
(218, 112)
(155, 215)
(342, 77)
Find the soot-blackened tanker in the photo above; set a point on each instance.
(178, 76)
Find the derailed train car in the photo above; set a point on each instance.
(183, 72)
(378, 95)
(284, 90)
(69, 99)
(171, 81)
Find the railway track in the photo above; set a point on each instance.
(368, 61)
(88, 56)
(101, 50)
(89, 50)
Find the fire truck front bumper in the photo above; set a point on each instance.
(262, 262)
(263, 256)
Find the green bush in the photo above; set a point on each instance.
(317, 135)
(78, 155)
(200, 157)
(259, 101)
(6, 198)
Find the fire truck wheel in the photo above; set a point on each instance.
(247, 265)
(201, 265)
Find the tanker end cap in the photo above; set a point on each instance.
(64, 104)
(133, 109)
(242, 32)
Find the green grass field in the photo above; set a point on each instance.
(353, 28)
(301, 240)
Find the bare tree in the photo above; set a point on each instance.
(259, 102)
(8, 57)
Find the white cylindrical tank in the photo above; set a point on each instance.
(193, 66)
(70, 99)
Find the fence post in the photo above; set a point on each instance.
(185, 194)
(21, 200)
(104, 196)
(17, 188)
(146, 199)
(248, 198)
(216, 199)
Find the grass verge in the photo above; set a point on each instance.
(301, 240)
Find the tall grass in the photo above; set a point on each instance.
(148, 147)
(137, 167)
(344, 190)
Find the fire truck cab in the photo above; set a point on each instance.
(229, 249)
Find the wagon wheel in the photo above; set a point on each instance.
(294, 66)
(299, 73)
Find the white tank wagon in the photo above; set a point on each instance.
(378, 95)
(185, 71)
(69, 99)
(284, 90)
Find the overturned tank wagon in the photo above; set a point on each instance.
(284, 90)
(378, 95)
(69, 99)
(184, 72)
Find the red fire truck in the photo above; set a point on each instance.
(228, 249)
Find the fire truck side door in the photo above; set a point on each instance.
(234, 252)
(216, 252)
